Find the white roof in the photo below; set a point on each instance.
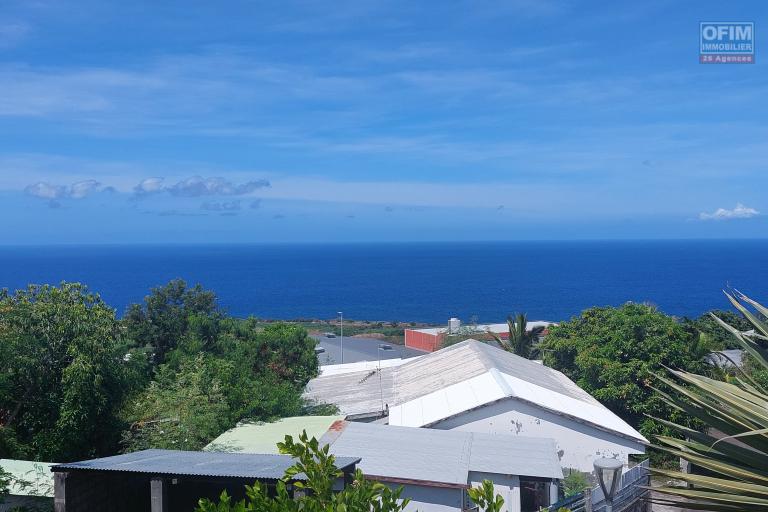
(473, 329)
(457, 379)
(29, 478)
(434, 456)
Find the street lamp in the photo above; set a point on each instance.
(341, 342)
(608, 473)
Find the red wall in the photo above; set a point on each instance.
(422, 340)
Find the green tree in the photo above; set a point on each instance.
(731, 452)
(521, 340)
(612, 353)
(62, 374)
(181, 410)
(198, 394)
(712, 334)
(169, 314)
(321, 472)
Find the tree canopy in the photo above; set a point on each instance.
(215, 370)
(77, 382)
(63, 378)
(168, 314)
(713, 334)
(613, 352)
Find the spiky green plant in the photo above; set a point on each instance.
(520, 340)
(731, 454)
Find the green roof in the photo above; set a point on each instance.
(263, 437)
(29, 478)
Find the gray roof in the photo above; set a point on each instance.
(441, 456)
(726, 358)
(471, 358)
(356, 393)
(175, 462)
(361, 393)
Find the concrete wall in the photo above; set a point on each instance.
(578, 444)
(507, 486)
(422, 340)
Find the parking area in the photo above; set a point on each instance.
(361, 349)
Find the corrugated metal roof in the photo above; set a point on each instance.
(459, 378)
(263, 437)
(441, 456)
(216, 464)
(356, 393)
(37, 474)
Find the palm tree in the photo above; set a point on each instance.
(520, 339)
(731, 454)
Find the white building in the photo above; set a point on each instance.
(475, 387)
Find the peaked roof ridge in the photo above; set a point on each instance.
(490, 355)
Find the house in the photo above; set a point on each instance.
(475, 387)
(31, 485)
(434, 467)
(168, 480)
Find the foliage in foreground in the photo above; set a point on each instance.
(486, 498)
(612, 354)
(731, 454)
(317, 493)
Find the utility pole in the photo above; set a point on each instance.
(341, 337)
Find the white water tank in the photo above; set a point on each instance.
(453, 325)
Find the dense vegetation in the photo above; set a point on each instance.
(176, 371)
(612, 353)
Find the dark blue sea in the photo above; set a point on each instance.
(427, 282)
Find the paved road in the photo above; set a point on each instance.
(360, 349)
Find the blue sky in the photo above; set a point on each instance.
(310, 121)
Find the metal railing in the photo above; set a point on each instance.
(630, 491)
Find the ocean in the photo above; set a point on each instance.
(423, 282)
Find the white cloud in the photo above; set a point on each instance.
(739, 212)
(45, 190)
(78, 190)
(197, 186)
(82, 189)
(149, 186)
